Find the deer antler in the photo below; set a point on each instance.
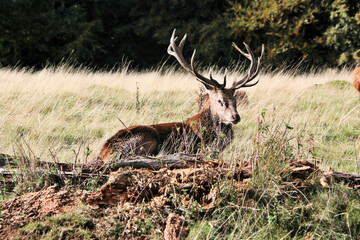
(253, 69)
(176, 51)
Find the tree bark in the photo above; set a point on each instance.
(172, 161)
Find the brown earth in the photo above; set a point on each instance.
(124, 186)
(128, 188)
(18, 211)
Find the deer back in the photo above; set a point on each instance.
(356, 79)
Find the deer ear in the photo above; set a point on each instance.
(210, 90)
(207, 87)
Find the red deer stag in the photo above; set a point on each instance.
(356, 84)
(210, 127)
(356, 79)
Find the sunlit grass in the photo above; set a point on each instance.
(57, 109)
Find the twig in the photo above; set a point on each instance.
(123, 124)
(298, 190)
(77, 154)
(356, 159)
(137, 98)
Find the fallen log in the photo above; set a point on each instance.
(304, 169)
(134, 185)
(171, 161)
(6, 160)
(350, 178)
(8, 177)
(8, 174)
(65, 171)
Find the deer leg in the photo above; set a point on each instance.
(139, 140)
(137, 144)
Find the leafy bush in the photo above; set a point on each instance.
(105, 33)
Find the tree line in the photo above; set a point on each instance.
(321, 33)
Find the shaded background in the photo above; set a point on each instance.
(103, 34)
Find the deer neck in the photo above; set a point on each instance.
(207, 123)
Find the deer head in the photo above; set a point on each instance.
(222, 102)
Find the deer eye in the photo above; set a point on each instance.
(219, 101)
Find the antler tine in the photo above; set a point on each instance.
(253, 69)
(257, 66)
(257, 69)
(211, 78)
(251, 57)
(241, 51)
(220, 85)
(211, 81)
(176, 51)
(224, 83)
(182, 42)
(250, 85)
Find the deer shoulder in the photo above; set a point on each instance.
(356, 79)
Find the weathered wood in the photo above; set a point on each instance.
(6, 160)
(353, 179)
(7, 174)
(80, 173)
(7, 177)
(172, 161)
(133, 185)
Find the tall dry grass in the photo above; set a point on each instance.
(56, 110)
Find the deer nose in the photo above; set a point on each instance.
(236, 118)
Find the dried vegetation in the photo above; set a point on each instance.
(273, 182)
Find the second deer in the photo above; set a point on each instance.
(356, 79)
(356, 84)
(210, 127)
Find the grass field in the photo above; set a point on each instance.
(63, 114)
(52, 113)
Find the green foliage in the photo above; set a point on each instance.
(317, 32)
(277, 204)
(200, 230)
(282, 210)
(63, 226)
(36, 32)
(343, 33)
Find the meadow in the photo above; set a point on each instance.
(64, 114)
(52, 113)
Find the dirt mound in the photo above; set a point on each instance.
(132, 191)
(156, 186)
(20, 210)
